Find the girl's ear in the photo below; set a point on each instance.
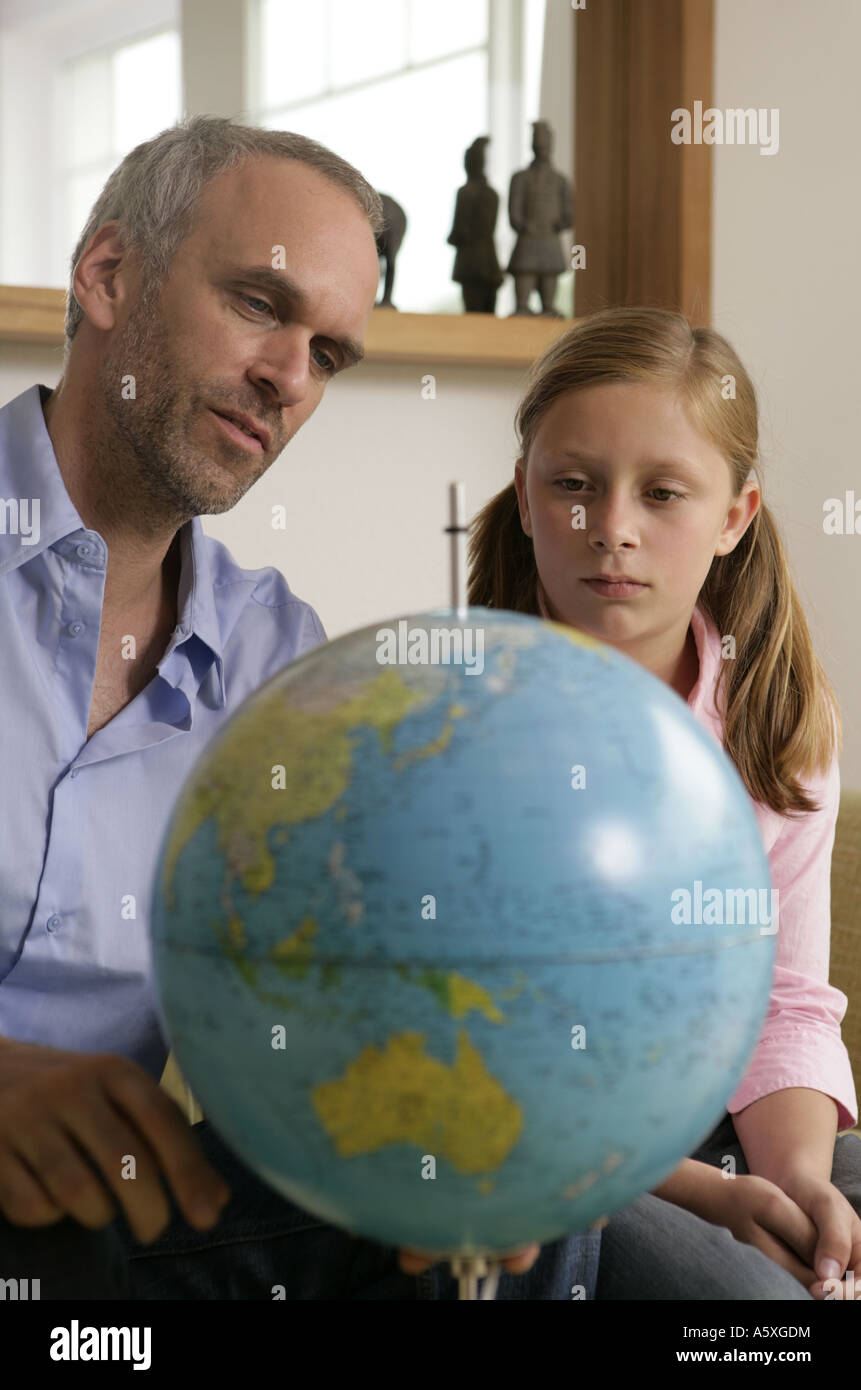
(520, 488)
(739, 517)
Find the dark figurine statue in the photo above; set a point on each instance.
(476, 268)
(388, 245)
(540, 206)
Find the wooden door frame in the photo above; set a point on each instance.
(643, 204)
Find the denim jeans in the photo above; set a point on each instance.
(649, 1250)
(655, 1250)
(262, 1243)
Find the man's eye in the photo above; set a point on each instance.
(252, 299)
(329, 366)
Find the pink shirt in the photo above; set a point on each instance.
(800, 1042)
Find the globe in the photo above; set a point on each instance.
(458, 931)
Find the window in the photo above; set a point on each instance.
(401, 88)
(108, 102)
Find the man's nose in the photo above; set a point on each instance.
(284, 366)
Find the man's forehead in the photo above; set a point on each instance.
(277, 192)
(291, 217)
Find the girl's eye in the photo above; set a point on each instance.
(678, 495)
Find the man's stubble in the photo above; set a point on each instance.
(151, 406)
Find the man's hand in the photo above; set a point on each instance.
(518, 1262)
(62, 1111)
(416, 1261)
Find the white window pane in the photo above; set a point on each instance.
(86, 110)
(293, 57)
(146, 85)
(440, 111)
(438, 27)
(368, 39)
(533, 50)
(83, 190)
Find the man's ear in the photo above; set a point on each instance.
(101, 280)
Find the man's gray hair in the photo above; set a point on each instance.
(154, 190)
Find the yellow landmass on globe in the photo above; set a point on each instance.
(581, 639)
(464, 994)
(400, 1095)
(316, 751)
(435, 746)
(297, 949)
(457, 994)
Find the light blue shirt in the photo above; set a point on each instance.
(82, 820)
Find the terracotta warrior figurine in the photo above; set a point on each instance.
(476, 268)
(540, 206)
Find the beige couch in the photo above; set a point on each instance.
(845, 945)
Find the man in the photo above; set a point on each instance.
(225, 274)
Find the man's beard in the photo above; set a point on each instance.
(171, 478)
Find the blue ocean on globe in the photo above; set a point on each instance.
(458, 931)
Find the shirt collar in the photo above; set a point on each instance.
(30, 475)
(29, 471)
(702, 698)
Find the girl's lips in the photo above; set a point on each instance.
(615, 590)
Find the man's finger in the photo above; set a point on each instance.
(417, 1261)
(522, 1261)
(414, 1261)
(199, 1190)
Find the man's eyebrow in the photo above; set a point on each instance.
(286, 291)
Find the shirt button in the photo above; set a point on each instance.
(84, 551)
(53, 923)
(74, 772)
(75, 629)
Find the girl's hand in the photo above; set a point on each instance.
(760, 1213)
(838, 1238)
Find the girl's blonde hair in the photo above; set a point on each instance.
(782, 716)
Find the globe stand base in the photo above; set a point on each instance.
(468, 1269)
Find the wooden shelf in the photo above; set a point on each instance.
(30, 315)
(34, 315)
(474, 340)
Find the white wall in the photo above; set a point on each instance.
(364, 483)
(786, 294)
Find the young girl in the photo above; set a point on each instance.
(638, 452)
